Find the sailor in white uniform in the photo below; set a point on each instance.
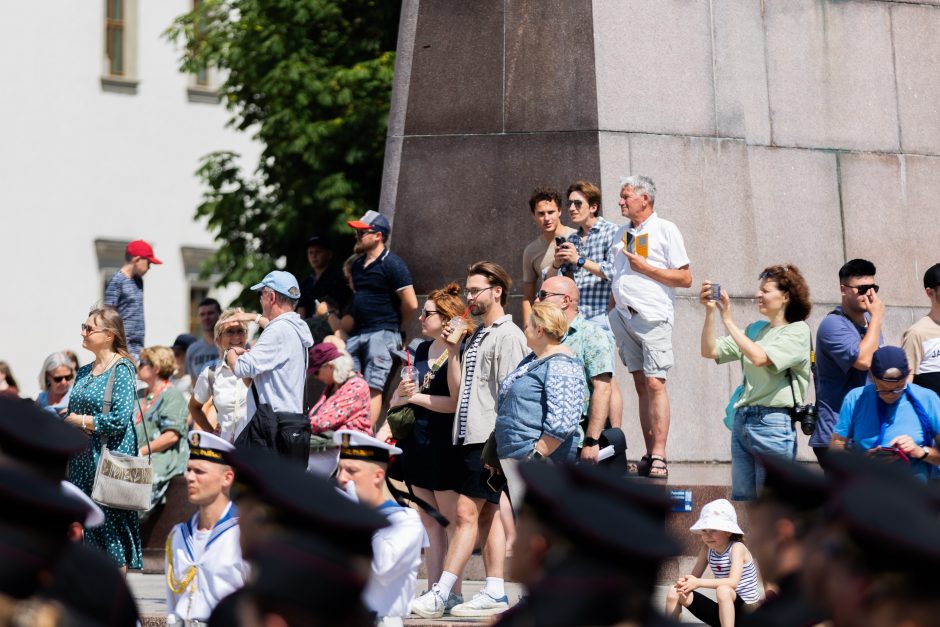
(203, 557)
(363, 462)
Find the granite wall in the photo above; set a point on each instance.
(797, 131)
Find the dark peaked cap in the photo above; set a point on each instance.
(304, 502)
(790, 483)
(651, 499)
(35, 438)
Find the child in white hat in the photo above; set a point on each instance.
(736, 581)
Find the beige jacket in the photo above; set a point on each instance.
(500, 351)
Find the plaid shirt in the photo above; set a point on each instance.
(593, 291)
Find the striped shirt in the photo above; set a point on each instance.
(127, 296)
(593, 291)
(748, 588)
(470, 359)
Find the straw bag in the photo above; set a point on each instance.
(123, 481)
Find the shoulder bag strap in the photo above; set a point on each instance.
(108, 394)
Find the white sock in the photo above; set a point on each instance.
(494, 587)
(446, 584)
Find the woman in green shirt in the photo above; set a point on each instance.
(776, 370)
(165, 411)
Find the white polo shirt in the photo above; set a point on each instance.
(653, 300)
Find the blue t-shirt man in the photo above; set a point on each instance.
(837, 346)
(868, 422)
(375, 305)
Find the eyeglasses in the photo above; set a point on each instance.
(360, 233)
(542, 294)
(428, 314)
(87, 329)
(576, 203)
(894, 392)
(145, 364)
(235, 331)
(473, 292)
(66, 377)
(863, 289)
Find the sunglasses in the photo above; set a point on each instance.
(428, 314)
(145, 364)
(576, 203)
(87, 329)
(863, 289)
(66, 377)
(362, 233)
(542, 294)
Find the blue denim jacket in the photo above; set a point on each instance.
(540, 396)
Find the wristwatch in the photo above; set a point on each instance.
(581, 261)
(590, 441)
(924, 456)
(536, 455)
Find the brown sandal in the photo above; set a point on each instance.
(658, 472)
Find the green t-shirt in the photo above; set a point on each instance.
(168, 413)
(787, 347)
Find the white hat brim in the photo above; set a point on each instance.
(717, 523)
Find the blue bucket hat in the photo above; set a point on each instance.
(281, 282)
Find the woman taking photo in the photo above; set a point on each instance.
(164, 412)
(776, 370)
(103, 335)
(55, 381)
(228, 393)
(540, 402)
(428, 455)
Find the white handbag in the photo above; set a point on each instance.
(123, 481)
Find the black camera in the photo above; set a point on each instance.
(806, 415)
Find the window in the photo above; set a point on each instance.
(110, 255)
(201, 85)
(199, 288)
(119, 71)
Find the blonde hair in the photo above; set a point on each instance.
(162, 358)
(223, 321)
(550, 318)
(108, 319)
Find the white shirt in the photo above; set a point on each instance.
(653, 300)
(396, 556)
(217, 558)
(229, 395)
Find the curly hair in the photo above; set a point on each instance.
(789, 279)
(449, 304)
(544, 194)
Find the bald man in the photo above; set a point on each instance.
(593, 346)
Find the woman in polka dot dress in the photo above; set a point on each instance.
(103, 335)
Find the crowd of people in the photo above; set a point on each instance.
(506, 436)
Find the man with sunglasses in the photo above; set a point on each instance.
(125, 292)
(539, 254)
(921, 341)
(891, 418)
(383, 300)
(845, 342)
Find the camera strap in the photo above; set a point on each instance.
(812, 372)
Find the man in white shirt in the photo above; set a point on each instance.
(203, 557)
(650, 262)
(396, 549)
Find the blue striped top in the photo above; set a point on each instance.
(748, 588)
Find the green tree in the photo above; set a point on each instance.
(311, 81)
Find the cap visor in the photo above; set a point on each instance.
(154, 260)
(256, 287)
(357, 224)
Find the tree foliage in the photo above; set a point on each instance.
(311, 81)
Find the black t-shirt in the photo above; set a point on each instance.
(331, 287)
(375, 303)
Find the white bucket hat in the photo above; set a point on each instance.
(718, 515)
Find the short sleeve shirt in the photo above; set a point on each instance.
(787, 346)
(592, 345)
(837, 347)
(331, 288)
(538, 256)
(199, 355)
(375, 305)
(127, 296)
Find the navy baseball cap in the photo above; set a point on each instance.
(372, 221)
(281, 282)
(886, 358)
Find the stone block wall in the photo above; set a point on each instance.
(798, 131)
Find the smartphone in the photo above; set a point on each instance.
(716, 291)
(628, 241)
(559, 241)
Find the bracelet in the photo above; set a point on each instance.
(84, 418)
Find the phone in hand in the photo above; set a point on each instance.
(559, 241)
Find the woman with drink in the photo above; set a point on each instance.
(428, 455)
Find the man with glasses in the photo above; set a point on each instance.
(921, 341)
(593, 347)
(538, 256)
(845, 342)
(891, 418)
(493, 351)
(125, 292)
(383, 300)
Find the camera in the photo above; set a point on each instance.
(806, 415)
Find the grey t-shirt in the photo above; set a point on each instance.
(199, 355)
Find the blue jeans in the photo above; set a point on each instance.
(763, 430)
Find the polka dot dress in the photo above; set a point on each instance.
(119, 535)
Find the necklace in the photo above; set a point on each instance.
(106, 368)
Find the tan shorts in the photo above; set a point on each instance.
(643, 345)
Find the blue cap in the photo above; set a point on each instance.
(886, 358)
(281, 282)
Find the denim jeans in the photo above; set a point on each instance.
(764, 430)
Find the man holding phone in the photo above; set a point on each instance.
(545, 205)
(845, 342)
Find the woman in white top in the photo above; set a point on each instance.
(228, 393)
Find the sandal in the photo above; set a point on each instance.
(642, 467)
(658, 472)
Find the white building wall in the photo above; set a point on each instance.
(78, 163)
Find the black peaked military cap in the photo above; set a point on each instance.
(651, 499)
(35, 438)
(302, 501)
(848, 468)
(31, 502)
(790, 483)
(593, 521)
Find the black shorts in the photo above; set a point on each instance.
(706, 610)
(473, 480)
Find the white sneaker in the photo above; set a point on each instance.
(482, 604)
(430, 604)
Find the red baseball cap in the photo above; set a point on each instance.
(140, 248)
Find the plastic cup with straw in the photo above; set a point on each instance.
(458, 324)
(409, 373)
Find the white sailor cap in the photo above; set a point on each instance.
(358, 445)
(95, 514)
(204, 445)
